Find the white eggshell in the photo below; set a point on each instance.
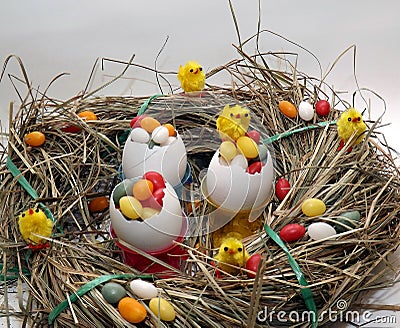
(140, 135)
(143, 289)
(169, 141)
(170, 160)
(306, 111)
(232, 188)
(155, 233)
(160, 135)
(320, 230)
(240, 161)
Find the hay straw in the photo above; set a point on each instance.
(70, 169)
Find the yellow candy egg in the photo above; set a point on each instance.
(313, 207)
(247, 147)
(228, 150)
(287, 108)
(149, 124)
(130, 207)
(162, 308)
(148, 212)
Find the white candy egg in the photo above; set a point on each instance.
(169, 141)
(143, 289)
(306, 111)
(160, 134)
(240, 160)
(140, 135)
(320, 230)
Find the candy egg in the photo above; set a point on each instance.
(171, 129)
(322, 107)
(320, 230)
(113, 292)
(313, 207)
(131, 310)
(135, 122)
(282, 188)
(143, 189)
(123, 189)
(348, 220)
(130, 207)
(287, 108)
(306, 111)
(292, 232)
(35, 139)
(254, 168)
(252, 265)
(149, 124)
(143, 289)
(228, 150)
(162, 308)
(169, 141)
(240, 160)
(98, 204)
(255, 135)
(156, 179)
(247, 147)
(140, 135)
(160, 135)
(148, 212)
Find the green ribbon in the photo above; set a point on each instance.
(306, 293)
(88, 287)
(12, 273)
(27, 186)
(289, 133)
(146, 103)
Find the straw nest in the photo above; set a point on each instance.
(70, 169)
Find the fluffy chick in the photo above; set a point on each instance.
(33, 224)
(350, 122)
(233, 122)
(231, 252)
(191, 76)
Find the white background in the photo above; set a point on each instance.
(53, 37)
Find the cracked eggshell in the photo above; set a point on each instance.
(169, 160)
(232, 188)
(155, 233)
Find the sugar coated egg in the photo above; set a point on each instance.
(322, 107)
(98, 204)
(143, 289)
(347, 221)
(130, 207)
(143, 189)
(35, 138)
(282, 188)
(169, 141)
(140, 135)
(252, 265)
(313, 207)
(255, 135)
(156, 178)
(149, 124)
(228, 150)
(160, 135)
(131, 310)
(123, 189)
(247, 147)
(287, 108)
(320, 230)
(162, 308)
(113, 292)
(254, 168)
(171, 129)
(148, 212)
(87, 115)
(292, 232)
(306, 111)
(240, 160)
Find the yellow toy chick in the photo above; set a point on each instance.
(192, 77)
(233, 122)
(231, 252)
(33, 224)
(350, 122)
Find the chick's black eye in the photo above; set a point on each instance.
(23, 214)
(231, 115)
(201, 68)
(37, 210)
(240, 249)
(191, 70)
(359, 119)
(349, 119)
(246, 115)
(226, 249)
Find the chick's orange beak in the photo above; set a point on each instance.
(354, 120)
(30, 211)
(237, 115)
(195, 72)
(231, 251)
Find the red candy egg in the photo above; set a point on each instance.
(156, 178)
(255, 135)
(322, 107)
(252, 265)
(256, 167)
(282, 188)
(292, 232)
(158, 195)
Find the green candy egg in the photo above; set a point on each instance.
(125, 188)
(349, 219)
(113, 292)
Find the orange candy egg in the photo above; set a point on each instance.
(88, 115)
(131, 310)
(287, 108)
(98, 204)
(171, 129)
(149, 124)
(35, 138)
(143, 189)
